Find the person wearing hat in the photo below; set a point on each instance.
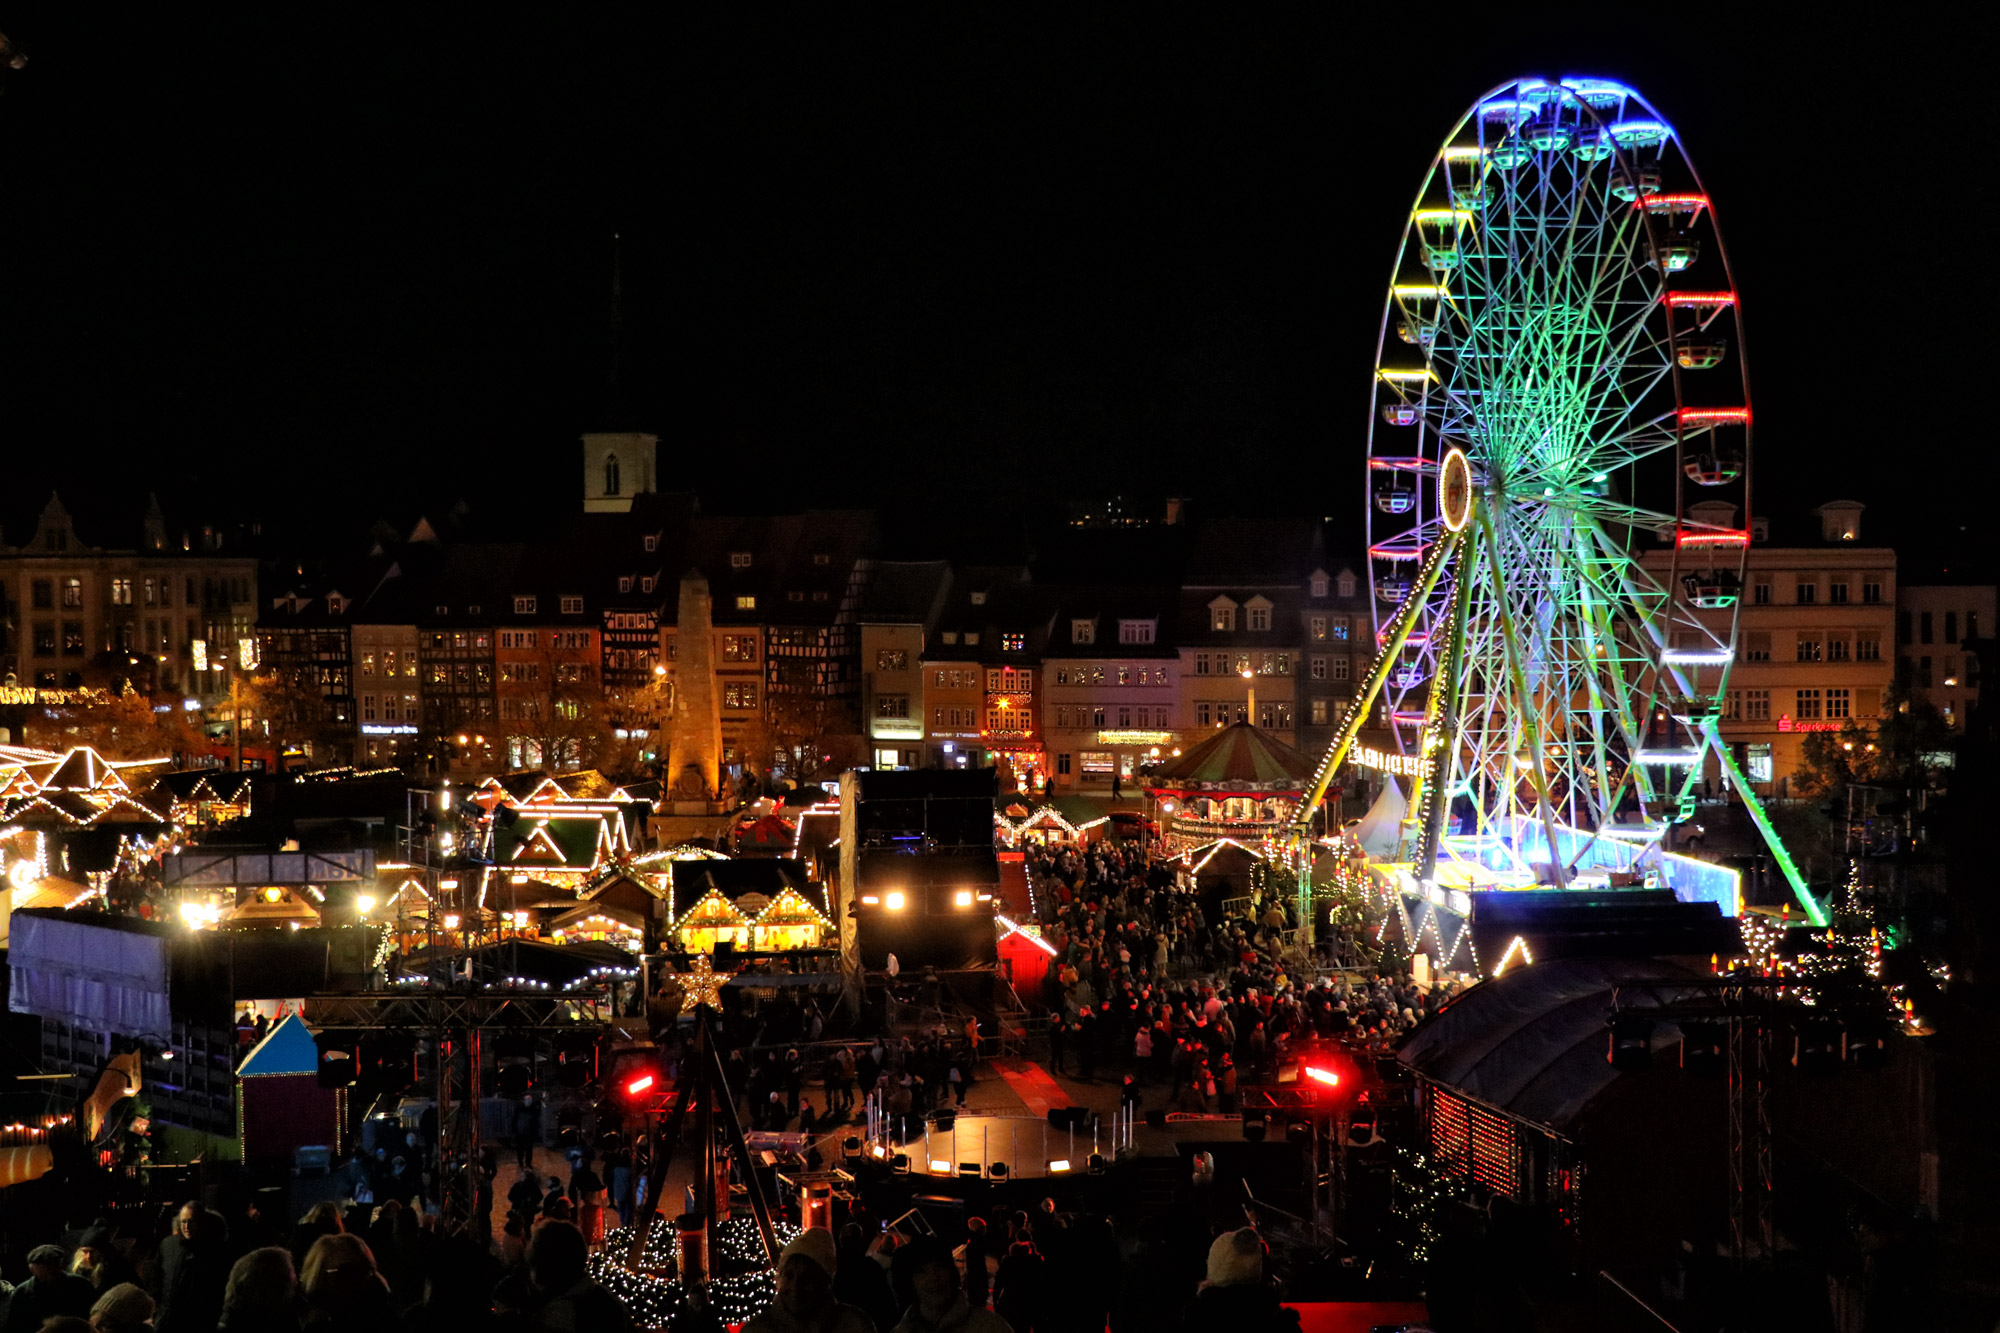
(1235, 1296)
(125, 1308)
(100, 1262)
(941, 1305)
(806, 1302)
(48, 1292)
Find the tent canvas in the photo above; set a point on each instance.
(1381, 828)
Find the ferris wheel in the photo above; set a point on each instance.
(1558, 479)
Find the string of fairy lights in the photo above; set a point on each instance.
(740, 1282)
(1829, 964)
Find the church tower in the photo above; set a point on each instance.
(617, 464)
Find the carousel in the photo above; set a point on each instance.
(1241, 786)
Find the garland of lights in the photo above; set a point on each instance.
(739, 1286)
(1422, 1189)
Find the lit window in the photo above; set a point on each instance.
(746, 602)
(524, 606)
(572, 606)
(1083, 631)
(739, 559)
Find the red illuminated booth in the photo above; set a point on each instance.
(280, 1106)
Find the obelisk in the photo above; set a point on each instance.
(694, 737)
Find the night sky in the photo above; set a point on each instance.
(281, 266)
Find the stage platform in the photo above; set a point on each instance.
(1022, 1147)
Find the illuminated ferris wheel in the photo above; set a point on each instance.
(1559, 389)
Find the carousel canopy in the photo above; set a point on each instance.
(1238, 760)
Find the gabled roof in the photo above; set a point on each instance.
(288, 1048)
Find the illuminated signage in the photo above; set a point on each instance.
(28, 694)
(1135, 738)
(387, 729)
(1785, 723)
(1401, 765)
(897, 730)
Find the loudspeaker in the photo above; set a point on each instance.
(1298, 1133)
(1253, 1128)
(900, 1164)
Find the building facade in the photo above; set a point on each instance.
(167, 614)
(1814, 647)
(1111, 705)
(1936, 625)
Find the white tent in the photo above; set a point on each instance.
(1382, 826)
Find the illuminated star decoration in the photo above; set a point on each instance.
(703, 985)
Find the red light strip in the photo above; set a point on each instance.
(1678, 299)
(1713, 416)
(1686, 538)
(639, 1085)
(1326, 1076)
(1671, 203)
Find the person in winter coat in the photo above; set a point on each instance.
(1019, 1288)
(940, 1307)
(570, 1301)
(194, 1269)
(1235, 1296)
(48, 1292)
(806, 1303)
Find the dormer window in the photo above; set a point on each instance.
(822, 558)
(572, 606)
(950, 636)
(1222, 615)
(611, 474)
(646, 584)
(1013, 643)
(624, 583)
(1346, 584)
(1320, 583)
(972, 637)
(444, 610)
(335, 603)
(472, 610)
(979, 599)
(1257, 614)
(739, 559)
(1083, 631)
(524, 606)
(651, 541)
(1135, 631)
(746, 603)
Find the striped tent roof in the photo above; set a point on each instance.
(1238, 760)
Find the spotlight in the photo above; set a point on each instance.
(900, 1164)
(1059, 1164)
(1096, 1164)
(997, 1170)
(897, 902)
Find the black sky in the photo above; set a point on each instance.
(305, 267)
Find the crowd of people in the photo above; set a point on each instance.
(1142, 976)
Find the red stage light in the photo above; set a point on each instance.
(1326, 1076)
(638, 1085)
